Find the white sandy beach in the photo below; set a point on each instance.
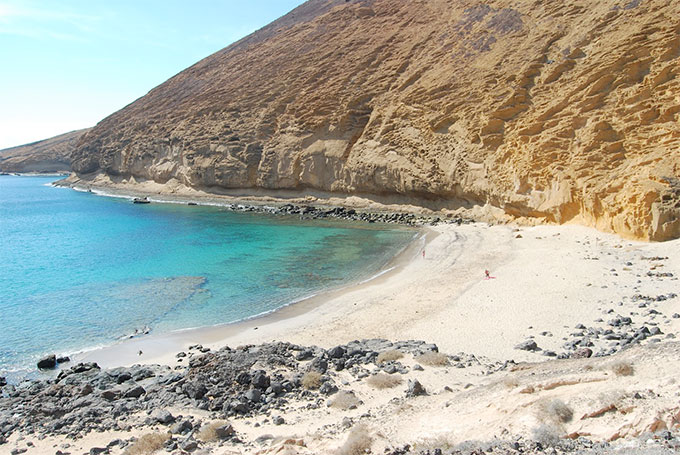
(546, 278)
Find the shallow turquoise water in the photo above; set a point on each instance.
(79, 270)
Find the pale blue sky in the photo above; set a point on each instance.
(66, 64)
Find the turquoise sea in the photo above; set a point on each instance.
(78, 270)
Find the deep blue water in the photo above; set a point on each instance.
(79, 270)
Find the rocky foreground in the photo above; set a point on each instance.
(229, 401)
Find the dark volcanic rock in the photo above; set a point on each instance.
(189, 445)
(260, 380)
(528, 345)
(47, 363)
(253, 395)
(224, 431)
(134, 392)
(246, 381)
(162, 416)
(181, 427)
(336, 352)
(415, 388)
(581, 353)
(195, 390)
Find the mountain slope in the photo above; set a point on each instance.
(49, 155)
(560, 111)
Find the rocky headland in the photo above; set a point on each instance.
(534, 111)
(47, 156)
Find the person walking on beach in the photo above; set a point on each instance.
(487, 274)
(423, 254)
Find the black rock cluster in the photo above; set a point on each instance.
(342, 213)
(246, 381)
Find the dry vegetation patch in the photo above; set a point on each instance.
(560, 411)
(311, 380)
(622, 368)
(209, 432)
(436, 443)
(433, 359)
(383, 381)
(389, 356)
(358, 442)
(345, 400)
(547, 435)
(554, 412)
(148, 443)
(511, 382)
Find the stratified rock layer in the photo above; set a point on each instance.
(49, 155)
(560, 111)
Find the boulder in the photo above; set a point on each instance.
(319, 365)
(189, 445)
(123, 377)
(276, 388)
(224, 431)
(134, 392)
(336, 352)
(528, 345)
(243, 378)
(582, 353)
(110, 395)
(328, 388)
(195, 390)
(181, 427)
(415, 388)
(260, 380)
(83, 367)
(253, 395)
(304, 355)
(48, 363)
(162, 416)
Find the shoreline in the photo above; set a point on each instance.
(164, 345)
(444, 299)
(175, 192)
(568, 344)
(480, 246)
(161, 348)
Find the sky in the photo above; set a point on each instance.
(66, 64)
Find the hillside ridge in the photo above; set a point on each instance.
(549, 111)
(47, 155)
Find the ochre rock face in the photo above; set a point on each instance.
(559, 110)
(49, 155)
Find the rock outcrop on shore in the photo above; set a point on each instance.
(553, 111)
(49, 155)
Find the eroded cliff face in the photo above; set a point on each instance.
(560, 110)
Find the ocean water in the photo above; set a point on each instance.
(79, 270)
